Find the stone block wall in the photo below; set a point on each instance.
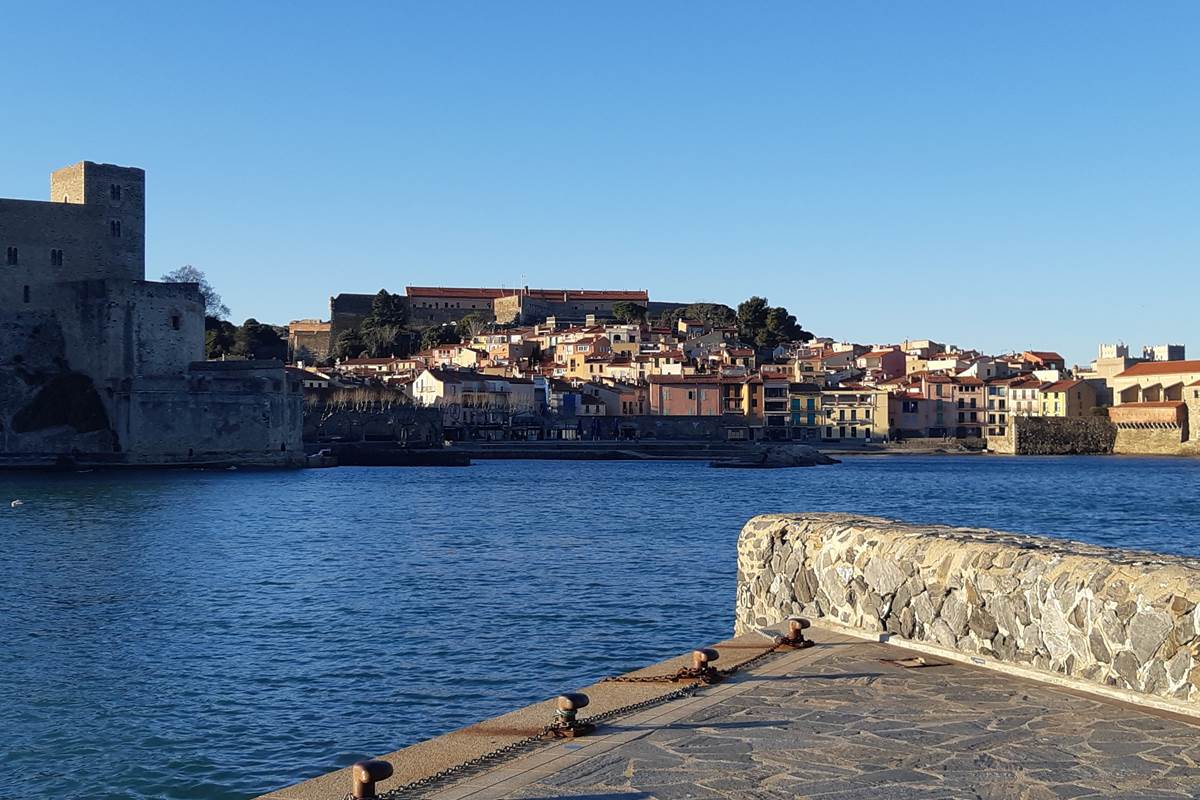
(1121, 619)
(1150, 441)
(1055, 436)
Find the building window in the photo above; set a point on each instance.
(11, 257)
(114, 228)
(56, 258)
(114, 191)
(26, 294)
(175, 321)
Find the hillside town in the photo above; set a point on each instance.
(586, 364)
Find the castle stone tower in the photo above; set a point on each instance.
(116, 197)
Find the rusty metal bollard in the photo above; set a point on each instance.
(365, 774)
(566, 710)
(795, 635)
(702, 667)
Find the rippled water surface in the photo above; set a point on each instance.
(220, 634)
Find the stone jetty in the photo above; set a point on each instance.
(946, 663)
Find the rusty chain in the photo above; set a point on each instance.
(704, 675)
(459, 771)
(543, 736)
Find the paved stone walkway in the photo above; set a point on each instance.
(835, 723)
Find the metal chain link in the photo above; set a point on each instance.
(544, 736)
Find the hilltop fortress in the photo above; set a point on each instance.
(436, 305)
(99, 365)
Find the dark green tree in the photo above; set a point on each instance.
(629, 312)
(349, 344)
(752, 317)
(218, 337)
(764, 325)
(714, 314)
(254, 340)
(439, 335)
(387, 311)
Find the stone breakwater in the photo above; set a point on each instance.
(1121, 619)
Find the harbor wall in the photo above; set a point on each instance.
(1123, 620)
(1055, 436)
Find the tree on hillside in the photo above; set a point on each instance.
(471, 325)
(218, 337)
(714, 314)
(764, 325)
(628, 312)
(384, 331)
(387, 310)
(349, 344)
(382, 341)
(254, 340)
(213, 307)
(439, 335)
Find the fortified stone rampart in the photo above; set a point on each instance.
(99, 365)
(1119, 619)
(92, 227)
(1055, 436)
(371, 421)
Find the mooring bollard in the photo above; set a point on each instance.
(566, 711)
(795, 634)
(364, 775)
(702, 667)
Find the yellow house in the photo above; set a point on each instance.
(1070, 398)
(855, 412)
(574, 355)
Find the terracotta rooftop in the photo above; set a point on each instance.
(1161, 368)
(485, 293)
(1158, 404)
(1042, 355)
(1061, 386)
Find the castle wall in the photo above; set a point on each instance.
(78, 222)
(244, 412)
(101, 366)
(346, 312)
(1055, 436)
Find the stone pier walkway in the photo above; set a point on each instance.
(834, 722)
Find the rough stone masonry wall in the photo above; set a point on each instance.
(1152, 442)
(1118, 618)
(1055, 436)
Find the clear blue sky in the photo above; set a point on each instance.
(996, 175)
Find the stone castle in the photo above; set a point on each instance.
(99, 365)
(313, 339)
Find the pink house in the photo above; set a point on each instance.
(882, 365)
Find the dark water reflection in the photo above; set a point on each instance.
(216, 635)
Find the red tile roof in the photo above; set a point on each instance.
(485, 293)
(1160, 368)
(1162, 404)
(1061, 386)
(1043, 355)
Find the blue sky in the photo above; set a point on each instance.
(998, 175)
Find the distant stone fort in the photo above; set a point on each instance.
(435, 305)
(99, 365)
